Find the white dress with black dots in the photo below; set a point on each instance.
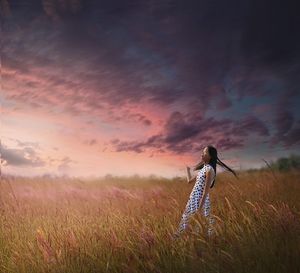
(193, 203)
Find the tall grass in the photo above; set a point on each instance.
(69, 226)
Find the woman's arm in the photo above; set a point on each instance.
(188, 170)
(192, 179)
(197, 166)
(189, 176)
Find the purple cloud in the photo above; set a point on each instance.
(187, 133)
(104, 58)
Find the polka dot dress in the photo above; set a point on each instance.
(193, 203)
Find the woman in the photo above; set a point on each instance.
(199, 197)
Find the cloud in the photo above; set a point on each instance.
(188, 68)
(185, 133)
(21, 157)
(284, 120)
(5, 10)
(90, 142)
(228, 143)
(105, 58)
(269, 37)
(28, 144)
(289, 138)
(119, 60)
(57, 9)
(141, 118)
(293, 137)
(249, 124)
(64, 166)
(177, 129)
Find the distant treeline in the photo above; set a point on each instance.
(285, 163)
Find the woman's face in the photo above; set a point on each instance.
(205, 155)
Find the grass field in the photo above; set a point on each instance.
(124, 225)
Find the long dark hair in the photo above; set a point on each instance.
(214, 160)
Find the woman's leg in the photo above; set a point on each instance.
(185, 217)
(191, 208)
(206, 212)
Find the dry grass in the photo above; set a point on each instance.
(125, 226)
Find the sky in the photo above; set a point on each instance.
(90, 88)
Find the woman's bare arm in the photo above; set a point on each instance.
(192, 179)
(188, 170)
(198, 165)
(189, 177)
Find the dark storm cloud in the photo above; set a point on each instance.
(199, 43)
(285, 120)
(4, 8)
(289, 138)
(228, 143)
(188, 133)
(271, 35)
(56, 9)
(250, 124)
(198, 53)
(293, 136)
(141, 118)
(119, 42)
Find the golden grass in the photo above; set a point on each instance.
(122, 225)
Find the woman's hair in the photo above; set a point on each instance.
(214, 160)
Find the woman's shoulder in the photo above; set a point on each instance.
(209, 167)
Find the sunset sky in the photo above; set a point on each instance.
(140, 87)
